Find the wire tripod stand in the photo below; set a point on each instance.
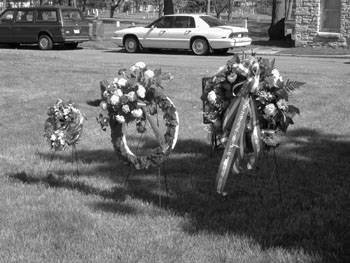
(215, 147)
(160, 168)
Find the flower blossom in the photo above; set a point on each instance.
(120, 118)
(118, 92)
(212, 97)
(126, 108)
(115, 100)
(103, 105)
(149, 74)
(141, 91)
(141, 65)
(115, 80)
(270, 110)
(137, 113)
(122, 82)
(131, 96)
(274, 79)
(282, 104)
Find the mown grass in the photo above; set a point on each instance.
(107, 213)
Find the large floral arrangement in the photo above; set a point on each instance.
(247, 106)
(133, 96)
(64, 124)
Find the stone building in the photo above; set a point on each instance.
(322, 23)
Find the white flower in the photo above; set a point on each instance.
(282, 104)
(133, 68)
(53, 137)
(141, 91)
(140, 65)
(137, 113)
(122, 82)
(115, 80)
(105, 94)
(115, 100)
(270, 110)
(131, 96)
(103, 105)
(126, 108)
(211, 97)
(118, 92)
(120, 118)
(149, 74)
(275, 79)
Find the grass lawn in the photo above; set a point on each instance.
(104, 215)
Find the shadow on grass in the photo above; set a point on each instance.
(313, 214)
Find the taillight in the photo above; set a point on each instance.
(238, 35)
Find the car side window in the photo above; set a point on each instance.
(71, 15)
(46, 15)
(165, 22)
(182, 22)
(7, 17)
(24, 16)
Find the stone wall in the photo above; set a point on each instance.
(307, 21)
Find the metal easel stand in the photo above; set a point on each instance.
(275, 171)
(215, 147)
(132, 171)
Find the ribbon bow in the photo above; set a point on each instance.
(242, 124)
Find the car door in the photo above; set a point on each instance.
(169, 32)
(6, 23)
(23, 31)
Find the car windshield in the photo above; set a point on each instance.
(212, 21)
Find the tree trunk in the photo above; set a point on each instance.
(276, 30)
(114, 6)
(168, 7)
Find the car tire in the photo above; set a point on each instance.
(45, 42)
(220, 51)
(200, 46)
(131, 44)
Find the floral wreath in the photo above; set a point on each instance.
(246, 105)
(64, 125)
(133, 97)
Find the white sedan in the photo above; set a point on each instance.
(199, 33)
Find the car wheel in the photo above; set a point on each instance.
(200, 46)
(71, 45)
(220, 51)
(131, 44)
(45, 42)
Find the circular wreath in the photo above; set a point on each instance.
(134, 97)
(64, 125)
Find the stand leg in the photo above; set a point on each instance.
(278, 178)
(51, 159)
(75, 159)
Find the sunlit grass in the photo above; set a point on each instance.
(95, 209)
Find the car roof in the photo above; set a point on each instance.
(193, 15)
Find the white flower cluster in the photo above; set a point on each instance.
(126, 91)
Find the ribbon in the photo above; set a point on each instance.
(233, 143)
(236, 118)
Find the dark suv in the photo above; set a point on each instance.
(44, 25)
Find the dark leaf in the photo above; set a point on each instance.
(291, 85)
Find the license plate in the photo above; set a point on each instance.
(76, 31)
